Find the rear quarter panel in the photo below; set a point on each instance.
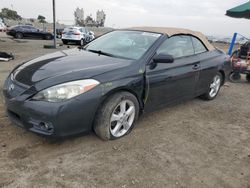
(211, 63)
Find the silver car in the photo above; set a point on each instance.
(79, 35)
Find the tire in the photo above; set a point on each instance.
(81, 42)
(248, 77)
(65, 42)
(87, 39)
(47, 37)
(19, 35)
(117, 116)
(214, 87)
(235, 77)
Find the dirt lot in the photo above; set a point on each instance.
(194, 144)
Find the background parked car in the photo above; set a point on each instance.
(2, 27)
(59, 33)
(21, 31)
(79, 35)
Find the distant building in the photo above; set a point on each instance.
(100, 18)
(89, 21)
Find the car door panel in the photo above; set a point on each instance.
(208, 65)
(28, 31)
(170, 83)
(24, 31)
(36, 33)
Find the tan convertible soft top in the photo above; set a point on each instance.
(175, 31)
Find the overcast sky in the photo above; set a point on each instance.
(207, 16)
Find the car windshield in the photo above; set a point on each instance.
(70, 30)
(13, 27)
(123, 44)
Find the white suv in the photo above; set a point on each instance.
(79, 35)
(2, 27)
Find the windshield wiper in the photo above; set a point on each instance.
(101, 53)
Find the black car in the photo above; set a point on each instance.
(22, 31)
(106, 85)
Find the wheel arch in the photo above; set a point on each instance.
(114, 91)
(122, 89)
(223, 76)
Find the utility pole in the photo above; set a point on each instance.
(54, 23)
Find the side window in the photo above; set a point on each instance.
(177, 46)
(33, 28)
(198, 46)
(26, 27)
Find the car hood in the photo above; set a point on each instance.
(66, 66)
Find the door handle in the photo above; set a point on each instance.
(196, 66)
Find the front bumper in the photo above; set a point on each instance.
(8, 33)
(54, 119)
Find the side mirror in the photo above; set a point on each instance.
(163, 58)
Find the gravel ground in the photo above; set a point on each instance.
(193, 144)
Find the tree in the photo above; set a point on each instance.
(79, 17)
(41, 19)
(32, 20)
(80, 23)
(90, 21)
(10, 14)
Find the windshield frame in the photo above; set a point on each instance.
(126, 58)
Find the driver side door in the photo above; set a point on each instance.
(172, 82)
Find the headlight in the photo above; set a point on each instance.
(66, 91)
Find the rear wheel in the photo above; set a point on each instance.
(248, 77)
(19, 35)
(117, 116)
(214, 88)
(82, 42)
(48, 37)
(235, 77)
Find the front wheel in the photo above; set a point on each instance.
(117, 116)
(19, 35)
(48, 37)
(214, 88)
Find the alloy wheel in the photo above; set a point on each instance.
(215, 86)
(19, 35)
(122, 118)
